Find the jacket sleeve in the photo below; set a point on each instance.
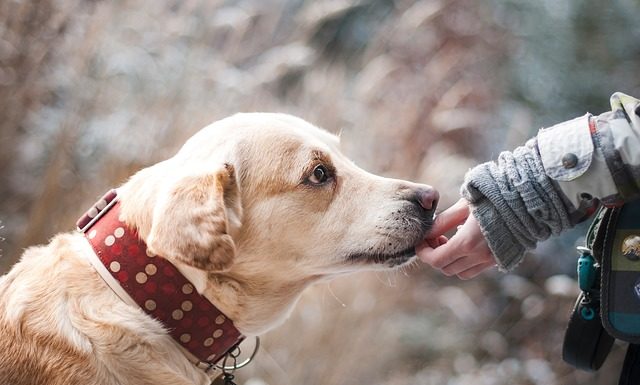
(556, 180)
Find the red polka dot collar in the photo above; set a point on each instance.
(155, 285)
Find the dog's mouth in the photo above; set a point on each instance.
(387, 259)
(414, 233)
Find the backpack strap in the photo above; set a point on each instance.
(586, 343)
(631, 369)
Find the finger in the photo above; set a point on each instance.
(432, 242)
(450, 218)
(436, 242)
(439, 257)
(460, 265)
(476, 270)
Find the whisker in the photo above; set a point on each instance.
(334, 295)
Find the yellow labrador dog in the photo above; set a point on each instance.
(252, 210)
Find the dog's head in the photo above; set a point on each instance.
(256, 207)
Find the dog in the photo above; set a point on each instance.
(252, 209)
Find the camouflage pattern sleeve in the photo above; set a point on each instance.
(595, 156)
(617, 135)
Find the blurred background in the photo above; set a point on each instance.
(91, 91)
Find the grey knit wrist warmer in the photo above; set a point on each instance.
(515, 203)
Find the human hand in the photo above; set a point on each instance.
(466, 254)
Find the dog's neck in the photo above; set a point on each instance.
(255, 303)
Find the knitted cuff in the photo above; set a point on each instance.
(515, 203)
(504, 246)
(506, 249)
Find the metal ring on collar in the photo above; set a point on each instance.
(244, 363)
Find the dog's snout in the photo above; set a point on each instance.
(427, 198)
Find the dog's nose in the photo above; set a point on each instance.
(427, 198)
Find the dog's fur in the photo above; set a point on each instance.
(239, 211)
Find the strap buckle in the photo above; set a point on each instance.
(97, 210)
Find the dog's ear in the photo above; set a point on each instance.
(191, 220)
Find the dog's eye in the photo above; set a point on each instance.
(320, 175)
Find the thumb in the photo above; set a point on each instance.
(449, 218)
